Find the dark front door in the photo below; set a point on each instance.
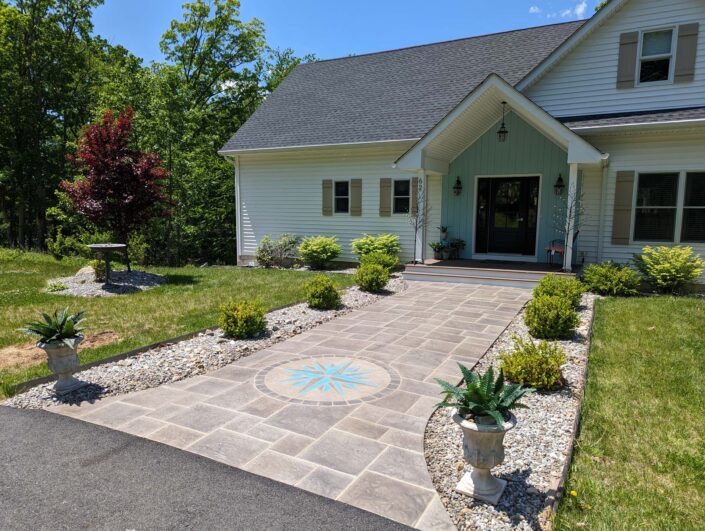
(507, 212)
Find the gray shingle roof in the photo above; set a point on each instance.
(394, 95)
(631, 118)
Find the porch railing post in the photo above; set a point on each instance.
(421, 215)
(570, 216)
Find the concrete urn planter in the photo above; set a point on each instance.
(63, 361)
(483, 449)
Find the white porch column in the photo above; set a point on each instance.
(571, 213)
(421, 214)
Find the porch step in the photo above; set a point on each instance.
(517, 278)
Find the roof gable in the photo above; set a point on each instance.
(395, 95)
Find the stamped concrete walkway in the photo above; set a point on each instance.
(339, 410)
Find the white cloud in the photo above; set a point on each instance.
(566, 13)
(534, 10)
(580, 9)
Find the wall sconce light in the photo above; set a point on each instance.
(503, 132)
(559, 186)
(458, 186)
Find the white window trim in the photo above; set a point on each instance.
(335, 196)
(680, 205)
(394, 196)
(671, 57)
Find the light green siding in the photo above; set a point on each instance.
(526, 152)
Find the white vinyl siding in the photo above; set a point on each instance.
(665, 152)
(281, 193)
(434, 196)
(584, 81)
(587, 244)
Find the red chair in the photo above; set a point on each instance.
(558, 247)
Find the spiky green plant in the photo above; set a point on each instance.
(483, 395)
(61, 326)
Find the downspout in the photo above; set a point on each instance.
(235, 161)
(602, 224)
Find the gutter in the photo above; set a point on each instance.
(231, 152)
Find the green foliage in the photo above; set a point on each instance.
(243, 319)
(559, 286)
(551, 317)
(383, 243)
(534, 364)
(483, 396)
(609, 278)
(322, 294)
(279, 253)
(61, 326)
(317, 251)
(388, 261)
(137, 248)
(56, 286)
(372, 277)
(669, 269)
(60, 246)
(99, 269)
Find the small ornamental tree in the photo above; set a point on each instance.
(121, 187)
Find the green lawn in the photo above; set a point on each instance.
(189, 301)
(639, 461)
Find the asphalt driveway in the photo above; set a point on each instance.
(60, 473)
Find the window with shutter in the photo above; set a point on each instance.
(693, 229)
(402, 196)
(342, 197)
(656, 56)
(656, 207)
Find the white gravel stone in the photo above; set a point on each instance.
(83, 283)
(203, 353)
(537, 450)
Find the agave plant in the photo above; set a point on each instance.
(483, 395)
(61, 326)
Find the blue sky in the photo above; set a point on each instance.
(334, 28)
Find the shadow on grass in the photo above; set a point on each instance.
(181, 280)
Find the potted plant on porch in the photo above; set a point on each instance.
(482, 409)
(59, 335)
(437, 249)
(444, 232)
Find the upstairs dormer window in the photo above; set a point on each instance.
(656, 57)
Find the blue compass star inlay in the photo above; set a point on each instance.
(328, 377)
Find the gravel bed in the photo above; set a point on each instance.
(203, 353)
(537, 450)
(83, 283)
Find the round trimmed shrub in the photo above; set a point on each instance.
(388, 261)
(321, 293)
(317, 251)
(668, 269)
(383, 243)
(372, 277)
(243, 319)
(537, 365)
(560, 286)
(611, 279)
(551, 317)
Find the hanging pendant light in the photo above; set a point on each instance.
(503, 132)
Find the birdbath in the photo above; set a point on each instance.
(106, 250)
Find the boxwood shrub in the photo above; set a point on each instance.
(536, 364)
(609, 278)
(669, 269)
(388, 261)
(551, 317)
(243, 319)
(561, 286)
(372, 277)
(384, 243)
(317, 251)
(321, 293)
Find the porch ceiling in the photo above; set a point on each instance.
(481, 110)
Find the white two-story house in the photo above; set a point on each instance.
(590, 133)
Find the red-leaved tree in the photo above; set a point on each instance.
(121, 187)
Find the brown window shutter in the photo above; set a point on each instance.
(356, 197)
(622, 219)
(626, 68)
(414, 195)
(385, 197)
(327, 197)
(686, 51)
